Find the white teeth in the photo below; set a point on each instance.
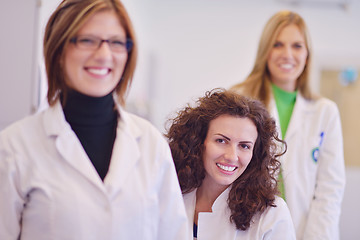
(102, 71)
(286, 66)
(226, 168)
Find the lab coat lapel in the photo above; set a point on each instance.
(295, 124)
(68, 145)
(296, 120)
(219, 218)
(275, 114)
(125, 154)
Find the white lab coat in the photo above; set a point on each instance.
(51, 191)
(275, 223)
(313, 168)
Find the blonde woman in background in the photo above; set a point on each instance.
(313, 173)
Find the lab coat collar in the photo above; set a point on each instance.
(301, 108)
(221, 199)
(220, 212)
(219, 204)
(125, 154)
(67, 143)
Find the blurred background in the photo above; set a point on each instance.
(190, 46)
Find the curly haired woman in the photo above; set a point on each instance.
(225, 151)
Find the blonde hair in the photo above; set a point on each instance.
(257, 84)
(63, 25)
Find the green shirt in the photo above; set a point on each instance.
(285, 102)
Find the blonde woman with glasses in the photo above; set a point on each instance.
(85, 168)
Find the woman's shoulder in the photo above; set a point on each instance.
(275, 214)
(137, 123)
(320, 107)
(22, 134)
(277, 222)
(280, 204)
(142, 130)
(22, 126)
(320, 102)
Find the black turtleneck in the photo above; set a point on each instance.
(94, 121)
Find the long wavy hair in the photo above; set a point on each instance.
(256, 188)
(257, 84)
(64, 24)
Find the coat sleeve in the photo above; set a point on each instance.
(11, 201)
(325, 208)
(173, 220)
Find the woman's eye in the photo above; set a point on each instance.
(117, 43)
(277, 44)
(298, 46)
(244, 146)
(88, 41)
(220, 140)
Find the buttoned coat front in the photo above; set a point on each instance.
(51, 191)
(313, 167)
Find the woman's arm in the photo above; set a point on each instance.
(173, 223)
(11, 202)
(323, 218)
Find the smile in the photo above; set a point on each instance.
(286, 66)
(226, 168)
(98, 71)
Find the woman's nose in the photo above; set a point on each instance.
(232, 153)
(287, 52)
(103, 51)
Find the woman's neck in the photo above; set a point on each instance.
(86, 110)
(206, 195)
(94, 121)
(285, 86)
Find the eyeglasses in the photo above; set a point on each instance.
(94, 43)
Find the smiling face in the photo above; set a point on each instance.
(228, 149)
(96, 72)
(287, 58)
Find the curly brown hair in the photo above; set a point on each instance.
(256, 188)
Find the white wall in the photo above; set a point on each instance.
(186, 48)
(350, 212)
(18, 98)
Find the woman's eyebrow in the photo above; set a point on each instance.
(227, 138)
(249, 142)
